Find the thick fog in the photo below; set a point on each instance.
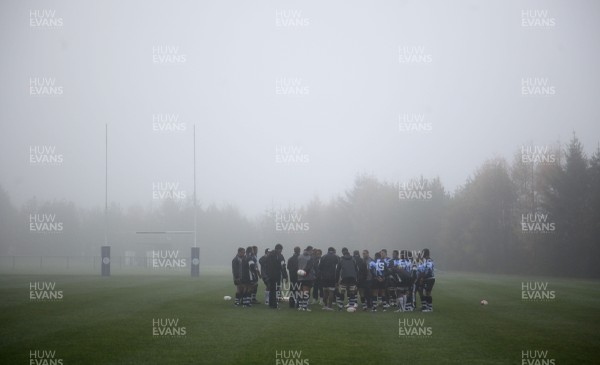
(290, 101)
(342, 60)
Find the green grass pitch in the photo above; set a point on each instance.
(110, 321)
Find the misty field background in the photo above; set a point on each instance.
(536, 213)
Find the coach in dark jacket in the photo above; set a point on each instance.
(292, 266)
(276, 271)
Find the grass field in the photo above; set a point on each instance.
(110, 321)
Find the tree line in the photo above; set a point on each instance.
(538, 213)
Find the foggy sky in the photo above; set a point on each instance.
(345, 52)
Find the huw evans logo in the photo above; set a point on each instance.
(414, 253)
(167, 54)
(536, 223)
(44, 86)
(290, 358)
(167, 190)
(537, 155)
(291, 155)
(291, 86)
(44, 291)
(44, 155)
(290, 222)
(536, 357)
(44, 18)
(44, 223)
(44, 357)
(292, 18)
(413, 327)
(167, 123)
(167, 259)
(537, 86)
(413, 123)
(167, 327)
(414, 190)
(413, 54)
(537, 18)
(291, 290)
(536, 291)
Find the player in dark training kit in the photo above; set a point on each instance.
(327, 267)
(255, 288)
(306, 262)
(346, 279)
(236, 270)
(263, 274)
(249, 277)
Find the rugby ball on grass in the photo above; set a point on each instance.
(227, 297)
(351, 309)
(484, 302)
(301, 272)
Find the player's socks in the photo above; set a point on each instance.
(266, 297)
(429, 303)
(340, 301)
(352, 301)
(401, 303)
(392, 301)
(305, 300)
(237, 298)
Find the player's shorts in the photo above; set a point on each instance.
(348, 285)
(308, 283)
(327, 283)
(376, 284)
(348, 281)
(367, 284)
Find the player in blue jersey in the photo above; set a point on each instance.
(386, 295)
(403, 272)
(413, 289)
(378, 271)
(394, 278)
(426, 281)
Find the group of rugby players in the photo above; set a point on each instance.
(392, 282)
